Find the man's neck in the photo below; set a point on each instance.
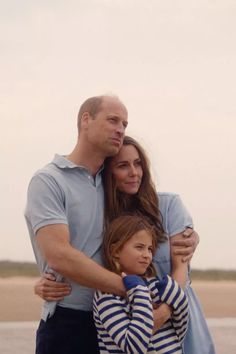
(86, 156)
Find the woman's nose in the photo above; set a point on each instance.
(133, 170)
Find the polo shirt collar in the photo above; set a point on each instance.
(62, 162)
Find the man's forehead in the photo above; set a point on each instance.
(112, 103)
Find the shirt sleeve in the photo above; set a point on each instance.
(45, 202)
(176, 217)
(169, 292)
(131, 331)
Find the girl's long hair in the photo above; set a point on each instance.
(144, 203)
(119, 231)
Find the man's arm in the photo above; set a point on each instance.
(53, 242)
(184, 244)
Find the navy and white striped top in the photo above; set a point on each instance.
(126, 325)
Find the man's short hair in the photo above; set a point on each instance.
(92, 105)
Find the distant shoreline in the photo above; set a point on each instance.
(29, 269)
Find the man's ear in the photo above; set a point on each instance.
(85, 120)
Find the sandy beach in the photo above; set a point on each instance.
(20, 311)
(18, 302)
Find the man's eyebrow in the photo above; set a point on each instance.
(113, 115)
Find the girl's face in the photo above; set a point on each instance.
(136, 254)
(127, 170)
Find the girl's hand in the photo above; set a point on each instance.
(132, 280)
(50, 290)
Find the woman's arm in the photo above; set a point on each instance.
(131, 331)
(48, 289)
(168, 291)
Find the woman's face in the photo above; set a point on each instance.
(126, 169)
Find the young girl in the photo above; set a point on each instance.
(125, 325)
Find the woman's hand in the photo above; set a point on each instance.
(48, 289)
(185, 244)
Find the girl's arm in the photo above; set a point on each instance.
(131, 331)
(169, 292)
(179, 269)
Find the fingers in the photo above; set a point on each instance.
(54, 296)
(49, 276)
(184, 242)
(50, 290)
(188, 232)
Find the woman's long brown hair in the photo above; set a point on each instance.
(144, 203)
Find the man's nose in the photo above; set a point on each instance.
(120, 129)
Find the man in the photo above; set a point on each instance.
(64, 216)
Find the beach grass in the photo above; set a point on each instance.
(13, 269)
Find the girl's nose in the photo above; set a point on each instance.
(146, 254)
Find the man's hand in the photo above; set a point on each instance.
(48, 289)
(185, 244)
(160, 315)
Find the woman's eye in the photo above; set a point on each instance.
(138, 163)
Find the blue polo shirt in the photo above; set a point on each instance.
(65, 193)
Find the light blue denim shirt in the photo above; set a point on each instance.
(175, 219)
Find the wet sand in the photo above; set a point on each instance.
(20, 311)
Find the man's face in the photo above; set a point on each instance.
(106, 130)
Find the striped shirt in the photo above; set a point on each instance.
(126, 325)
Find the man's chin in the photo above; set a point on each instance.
(113, 151)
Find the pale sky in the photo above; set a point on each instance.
(173, 65)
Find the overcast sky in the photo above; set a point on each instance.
(171, 62)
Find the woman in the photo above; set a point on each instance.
(129, 188)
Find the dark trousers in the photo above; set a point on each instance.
(67, 332)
